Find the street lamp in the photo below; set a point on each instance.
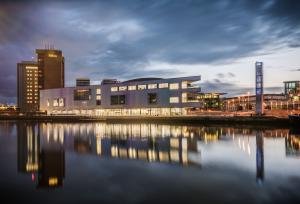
(248, 104)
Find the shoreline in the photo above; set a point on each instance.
(232, 120)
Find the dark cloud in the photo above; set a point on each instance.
(121, 39)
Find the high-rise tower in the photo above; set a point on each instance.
(47, 73)
(259, 88)
(52, 66)
(28, 86)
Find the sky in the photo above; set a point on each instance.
(219, 40)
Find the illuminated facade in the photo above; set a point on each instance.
(146, 96)
(28, 86)
(32, 76)
(211, 101)
(248, 103)
(292, 89)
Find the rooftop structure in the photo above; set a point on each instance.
(83, 82)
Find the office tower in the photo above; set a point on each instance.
(28, 86)
(259, 88)
(46, 73)
(52, 65)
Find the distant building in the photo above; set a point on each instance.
(248, 102)
(46, 73)
(210, 101)
(144, 96)
(82, 82)
(28, 86)
(292, 89)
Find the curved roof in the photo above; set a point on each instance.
(143, 79)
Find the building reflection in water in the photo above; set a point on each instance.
(41, 147)
(148, 142)
(292, 143)
(259, 157)
(45, 160)
(28, 148)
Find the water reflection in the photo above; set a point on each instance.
(292, 143)
(42, 146)
(259, 157)
(44, 160)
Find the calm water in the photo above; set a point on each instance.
(147, 163)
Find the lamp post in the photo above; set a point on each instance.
(248, 104)
(239, 103)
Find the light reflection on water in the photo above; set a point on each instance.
(42, 147)
(44, 150)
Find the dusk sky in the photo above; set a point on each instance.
(219, 40)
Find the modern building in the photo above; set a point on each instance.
(292, 89)
(248, 102)
(28, 86)
(210, 101)
(52, 67)
(32, 76)
(143, 96)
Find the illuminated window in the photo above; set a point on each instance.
(114, 89)
(174, 86)
(152, 86)
(52, 55)
(163, 85)
(55, 102)
(98, 91)
(184, 84)
(98, 97)
(131, 88)
(48, 103)
(61, 102)
(174, 99)
(184, 98)
(82, 94)
(142, 87)
(122, 88)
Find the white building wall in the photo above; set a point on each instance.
(135, 99)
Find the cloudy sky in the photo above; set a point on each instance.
(219, 40)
